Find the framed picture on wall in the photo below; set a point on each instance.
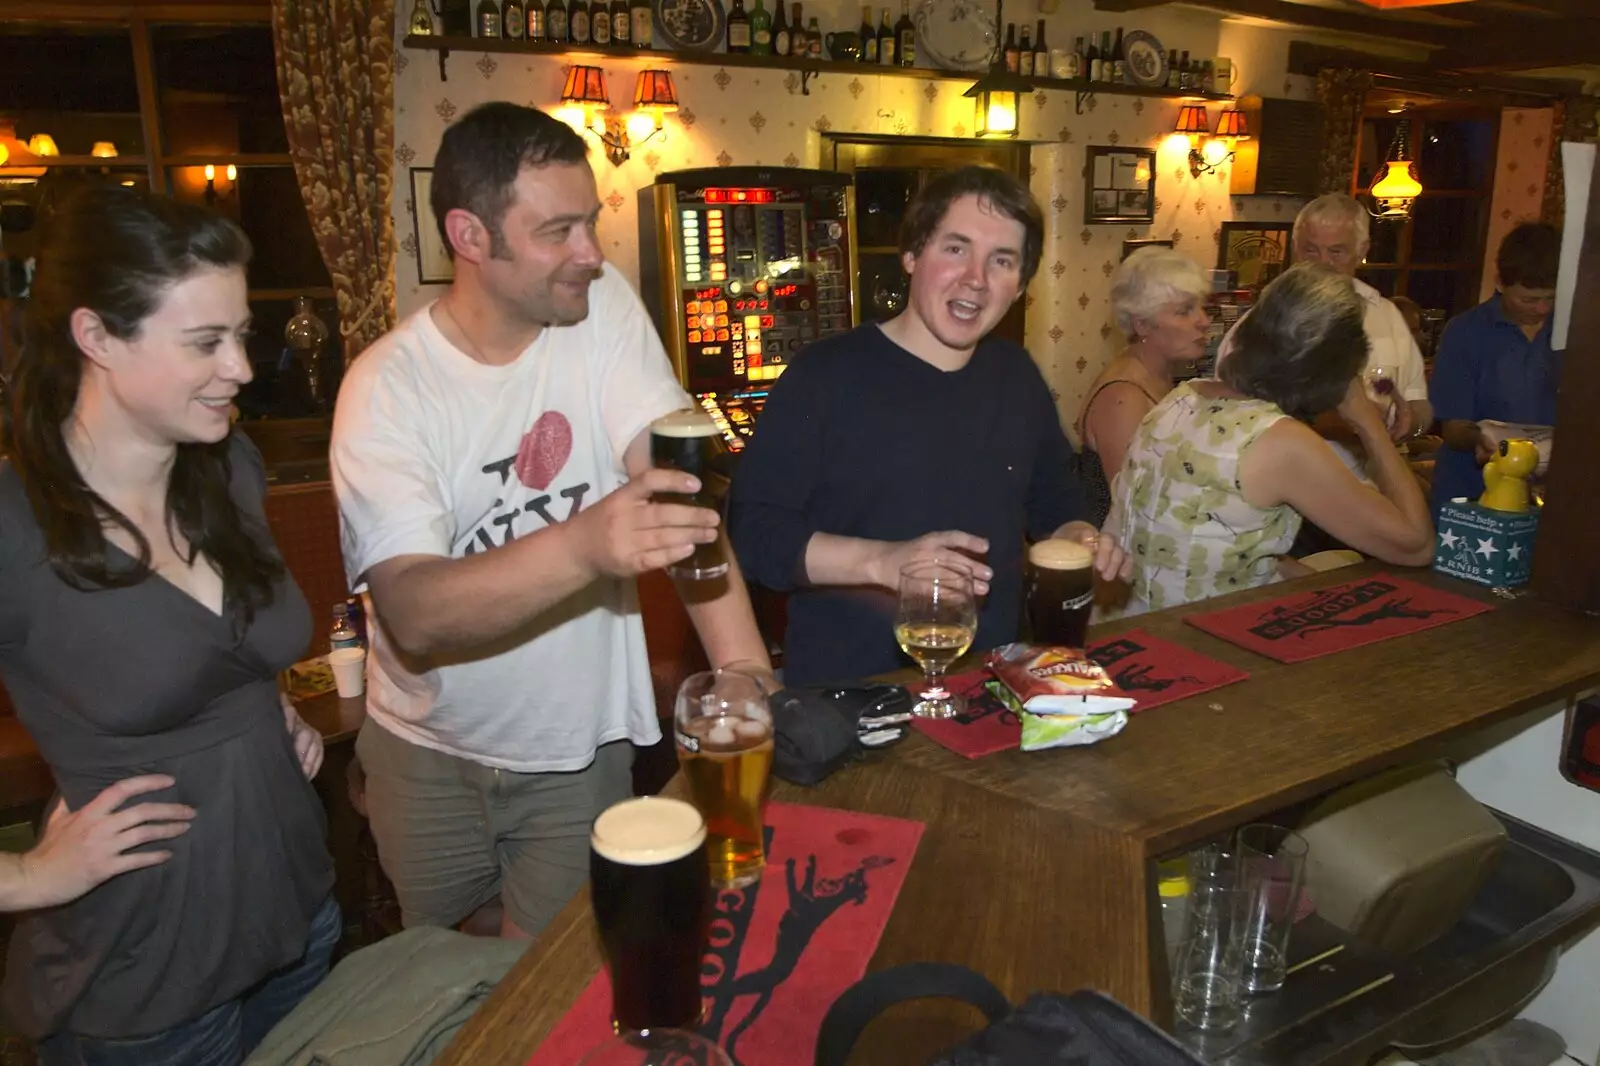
(434, 266)
(1256, 252)
(1120, 186)
(1129, 247)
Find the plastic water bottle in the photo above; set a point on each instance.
(343, 634)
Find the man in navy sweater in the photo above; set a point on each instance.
(921, 438)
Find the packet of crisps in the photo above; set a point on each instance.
(1059, 730)
(1048, 680)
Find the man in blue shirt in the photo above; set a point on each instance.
(1495, 361)
(922, 438)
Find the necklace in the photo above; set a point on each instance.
(455, 323)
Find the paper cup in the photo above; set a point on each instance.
(349, 670)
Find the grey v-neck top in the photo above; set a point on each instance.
(145, 679)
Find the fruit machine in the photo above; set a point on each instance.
(741, 268)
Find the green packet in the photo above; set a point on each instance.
(1040, 731)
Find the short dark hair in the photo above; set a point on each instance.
(1302, 344)
(481, 155)
(1003, 191)
(1530, 256)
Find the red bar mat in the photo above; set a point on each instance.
(1312, 624)
(1155, 671)
(782, 950)
(987, 725)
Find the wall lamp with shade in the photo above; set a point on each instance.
(104, 150)
(1397, 188)
(586, 107)
(1218, 146)
(212, 195)
(16, 160)
(43, 145)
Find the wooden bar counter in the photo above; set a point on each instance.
(1037, 869)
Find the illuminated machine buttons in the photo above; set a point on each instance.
(722, 308)
(762, 286)
(736, 287)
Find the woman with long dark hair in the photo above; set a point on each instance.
(144, 616)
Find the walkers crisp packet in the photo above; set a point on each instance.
(1049, 680)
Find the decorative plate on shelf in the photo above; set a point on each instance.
(956, 34)
(1145, 59)
(690, 25)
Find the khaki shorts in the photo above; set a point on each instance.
(452, 834)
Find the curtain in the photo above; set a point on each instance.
(1574, 121)
(1342, 94)
(336, 83)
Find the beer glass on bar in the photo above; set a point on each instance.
(1060, 592)
(724, 735)
(688, 440)
(651, 899)
(935, 622)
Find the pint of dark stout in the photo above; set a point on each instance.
(650, 888)
(1060, 592)
(688, 440)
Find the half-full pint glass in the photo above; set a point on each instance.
(1060, 592)
(651, 897)
(724, 733)
(688, 440)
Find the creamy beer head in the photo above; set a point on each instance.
(690, 422)
(1059, 554)
(647, 831)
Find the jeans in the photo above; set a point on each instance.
(225, 1034)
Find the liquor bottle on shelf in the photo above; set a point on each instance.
(1183, 72)
(799, 44)
(1075, 59)
(1119, 61)
(1172, 69)
(1106, 58)
(556, 27)
(869, 36)
(580, 21)
(599, 22)
(513, 20)
(1025, 53)
(1009, 50)
(536, 24)
(488, 18)
(886, 42)
(421, 21)
(1208, 78)
(738, 29)
(905, 33)
(1041, 54)
(1092, 61)
(781, 36)
(760, 30)
(621, 23)
(813, 38)
(642, 28)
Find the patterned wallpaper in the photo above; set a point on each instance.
(1520, 164)
(742, 116)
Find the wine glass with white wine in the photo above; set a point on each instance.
(935, 623)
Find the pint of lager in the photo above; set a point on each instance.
(1060, 592)
(688, 440)
(724, 733)
(651, 898)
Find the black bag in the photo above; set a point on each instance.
(818, 729)
(1084, 1029)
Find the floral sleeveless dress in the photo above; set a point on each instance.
(1189, 530)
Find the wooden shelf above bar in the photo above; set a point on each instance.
(805, 67)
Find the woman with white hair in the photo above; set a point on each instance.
(1158, 298)
(1221, 473)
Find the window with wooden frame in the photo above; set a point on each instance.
(1436, 256)
(159, 96)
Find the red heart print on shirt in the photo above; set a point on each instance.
(544, 450)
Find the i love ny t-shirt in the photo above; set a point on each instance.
(435, 453)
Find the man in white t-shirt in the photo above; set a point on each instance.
(1336, 231)
(491, 460)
